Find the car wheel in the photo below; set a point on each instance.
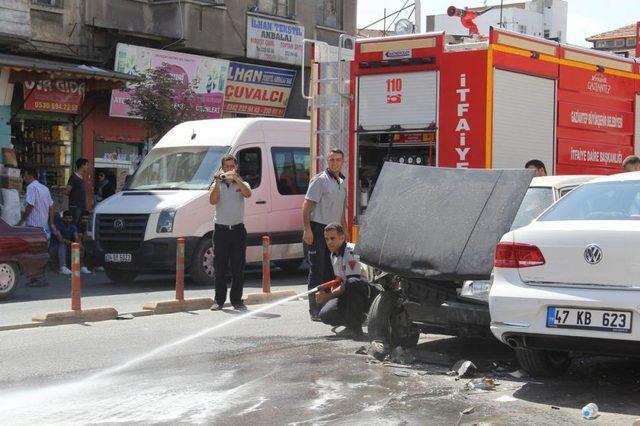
(201, 269)
(543, 363)
(9, 278)
(120, 276)
(289, 265)
(388, 323)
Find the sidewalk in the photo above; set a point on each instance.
(99, 292)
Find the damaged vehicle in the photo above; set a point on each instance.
(429, 230)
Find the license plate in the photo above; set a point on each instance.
(117, 257)
(589, 319)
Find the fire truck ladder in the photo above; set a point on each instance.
(328, 98)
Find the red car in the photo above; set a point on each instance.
(23, 252)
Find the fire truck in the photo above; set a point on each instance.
(459, 102)
(469, 102)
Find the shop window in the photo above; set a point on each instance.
(276, 7)
(291, 166)
(601, 44)
(250, 166)
(631, 42)
(329, 13)
(620, 42)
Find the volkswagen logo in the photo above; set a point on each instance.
(118, 224)
(593, 254)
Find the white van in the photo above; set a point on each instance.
(168, 197)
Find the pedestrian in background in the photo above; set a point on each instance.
(229, 236)
(631, 163)
(323, 204)
(76, 189)
(64, 234)
(38, 211)
(538, 166)
(104, 188)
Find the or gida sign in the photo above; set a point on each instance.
(63, 96)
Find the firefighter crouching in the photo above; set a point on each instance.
(346, 303)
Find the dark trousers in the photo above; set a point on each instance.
(229, 246)
(76, 212)
(350, 308)
(320, 268)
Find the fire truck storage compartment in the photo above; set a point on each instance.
(523, 119)
(408, 100)
(636, 147)
(374, 149)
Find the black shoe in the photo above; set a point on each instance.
(316, 318)
(240, 307)
(216, 306)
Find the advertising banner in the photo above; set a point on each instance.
(274, 41)
(258, 90)
(210, 74)
(63, 96)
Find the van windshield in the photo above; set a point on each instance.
(187, 167)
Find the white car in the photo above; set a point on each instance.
(542, 193)
(569, 282)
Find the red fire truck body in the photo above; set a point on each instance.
(497, 103)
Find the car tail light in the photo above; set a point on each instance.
(517, 255)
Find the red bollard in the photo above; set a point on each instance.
(75, 277)
(266, 265)
(180, 269)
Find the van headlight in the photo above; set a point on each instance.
(476, 290)
(165, 221)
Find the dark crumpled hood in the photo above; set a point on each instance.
(437, 223)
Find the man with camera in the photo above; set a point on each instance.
(229, 236)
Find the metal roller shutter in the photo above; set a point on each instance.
(406, 99)
(523, 120)
(636, 148)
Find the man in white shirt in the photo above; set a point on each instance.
(347, 303)
(38, 211)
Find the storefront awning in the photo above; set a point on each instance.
(33, 69)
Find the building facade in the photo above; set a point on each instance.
(252, 37)
(538, 18)
(621, 41)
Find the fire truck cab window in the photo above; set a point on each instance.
(250, 166)
(291, 166)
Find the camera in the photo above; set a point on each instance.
(223, 177)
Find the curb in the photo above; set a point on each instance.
(259, 298)
(85, 315)
(171, 306)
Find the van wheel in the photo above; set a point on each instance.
(389, 325)
(120, 276)
(201, 269)
(9, 279)
(543, 363)
(291, 265)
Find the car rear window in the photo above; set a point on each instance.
(598, 201)
(535, 201)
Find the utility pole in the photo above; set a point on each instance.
(418, 17)
(501, 4)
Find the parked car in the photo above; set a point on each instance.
(168, 197)
(567, 283)
(542, 193)
(23, 253)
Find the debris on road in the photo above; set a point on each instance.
(518, 374)
(481, 384)
(402, 356)
(362, 350)
(401, 373)
(465, 412)
(506, 398)
(464, 369)
(590, 411)
(378, 350)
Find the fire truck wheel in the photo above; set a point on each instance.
(201, 269)
(388, 323)
(120, 276)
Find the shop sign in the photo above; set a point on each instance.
(63, 96)
(274, 41)
(258, 90)
(209, 75)
(637, 39)
(115, 156)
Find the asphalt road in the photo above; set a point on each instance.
(276, 367)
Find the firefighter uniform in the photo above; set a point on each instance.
(350, 307)
(329, 193)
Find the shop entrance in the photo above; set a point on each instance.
(115, 160)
